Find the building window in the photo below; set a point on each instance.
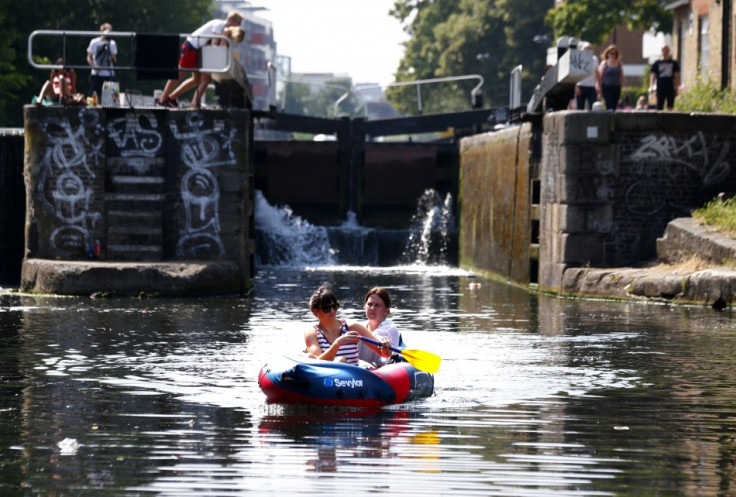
(682, 29)
(703, 43)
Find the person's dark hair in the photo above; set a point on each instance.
(323, 297)
(382, 294)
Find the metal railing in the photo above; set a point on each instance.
(305, 83)
(418, 83)
(515, 87)
(115, 34)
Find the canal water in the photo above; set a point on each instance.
(535, 396)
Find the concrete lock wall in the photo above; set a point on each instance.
(12, 205)
(609, 184)
(138, 185)
(495, 203)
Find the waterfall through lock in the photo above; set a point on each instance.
(285, 239)
(429, 237)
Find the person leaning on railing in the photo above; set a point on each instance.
(188, 61)
(236, 35)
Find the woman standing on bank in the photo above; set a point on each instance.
(610, 77)
(332, 339)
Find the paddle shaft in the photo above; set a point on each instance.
(376, 342)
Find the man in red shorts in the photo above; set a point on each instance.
(190, 56)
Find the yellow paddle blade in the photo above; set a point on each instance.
(421, 359)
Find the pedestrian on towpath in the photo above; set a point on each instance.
(610, 77)
(585, 94)
(664, 79)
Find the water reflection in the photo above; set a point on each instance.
(535, 395)
(335, 433)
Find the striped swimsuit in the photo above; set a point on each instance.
(349, 352)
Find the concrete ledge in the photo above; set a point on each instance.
(130, 278)
(687, 237)
(684, 239)
(713, 287)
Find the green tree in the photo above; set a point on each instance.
(293, 98)
(11, 80)
(319, 101)
(19, 81)
(594, 20)
(466, 37)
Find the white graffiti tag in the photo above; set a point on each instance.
(202, 149)
(136, 134)
(65, 176)
(679, 154)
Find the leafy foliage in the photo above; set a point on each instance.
(719, 213)
(19, 81)
(594, 20)
(706, 96)
(466, 37)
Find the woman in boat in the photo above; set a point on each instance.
(377, 306)
(332, 339)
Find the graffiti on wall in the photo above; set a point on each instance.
(203, 148)
(676, 156)
(137, 137)
(659, 159)
(66, 173)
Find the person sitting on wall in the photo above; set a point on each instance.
(59, 88)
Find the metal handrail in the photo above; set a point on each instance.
(297, 82)
(111, 34)
(418, 82)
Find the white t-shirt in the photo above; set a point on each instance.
(101, 57)
(590, 79)
(385, 329)
(214, 27)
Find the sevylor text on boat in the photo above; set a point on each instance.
(288, 380)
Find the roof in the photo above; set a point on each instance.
(677, 4)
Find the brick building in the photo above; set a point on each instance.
(702, 42)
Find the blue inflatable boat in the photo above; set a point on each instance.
(327, 383)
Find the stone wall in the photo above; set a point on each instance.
(610, 183)
(138, 185)
(12, 205)
(495, 203)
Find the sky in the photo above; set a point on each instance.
(353, 37)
